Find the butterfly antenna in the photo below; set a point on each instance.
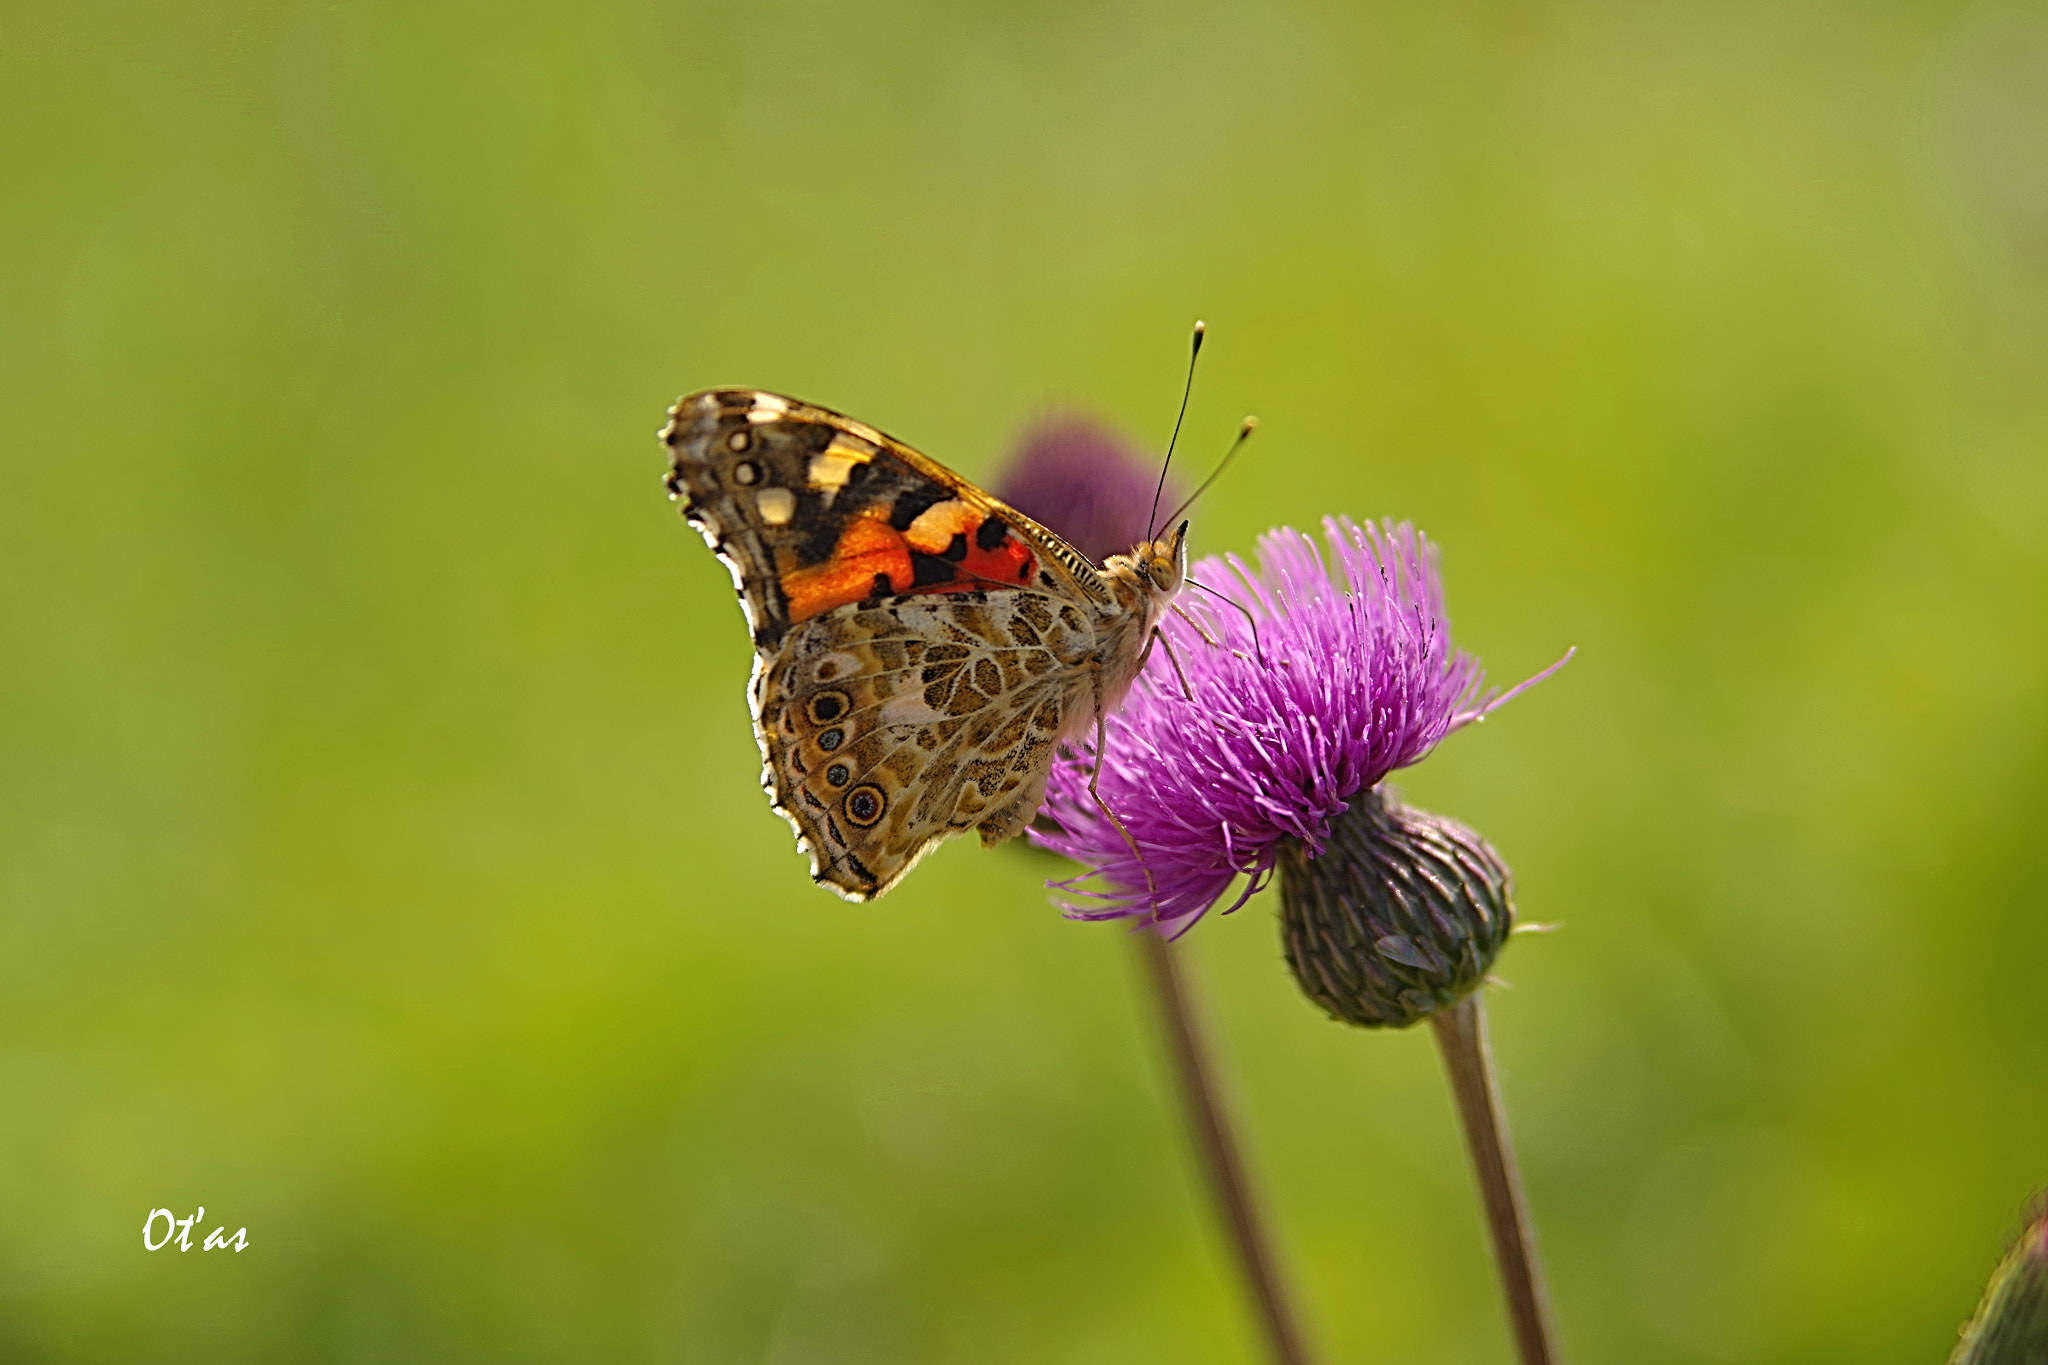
(1251, 424)
(1151, 526)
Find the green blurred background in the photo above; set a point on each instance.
(382, 864)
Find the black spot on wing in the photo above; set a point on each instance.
(862, 487)
(910, 504)
(956, 548)
(927, 570)
(817, 528)
(990, 534)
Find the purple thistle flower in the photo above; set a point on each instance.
(1337, 670)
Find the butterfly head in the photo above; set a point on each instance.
(1155, 567)
(1166, 561)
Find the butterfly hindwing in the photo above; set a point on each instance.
(887, 729)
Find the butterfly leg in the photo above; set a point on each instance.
(1196, 626)
(1095, 793)
(1159, 638)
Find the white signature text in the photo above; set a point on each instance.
(181, 1230)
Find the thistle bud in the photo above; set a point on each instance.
(2011, 1326)
(1400, 916)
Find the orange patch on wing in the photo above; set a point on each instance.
(867, 547)
(1009, 565)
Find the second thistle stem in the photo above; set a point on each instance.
(1216, 1150)
(1461, 1035)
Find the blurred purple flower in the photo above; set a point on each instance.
(1337, 671)
(1079, 481)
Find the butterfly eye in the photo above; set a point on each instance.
(864, 805)
(827, 707)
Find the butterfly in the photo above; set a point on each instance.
(921, 648)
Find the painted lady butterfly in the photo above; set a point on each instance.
(920, 647)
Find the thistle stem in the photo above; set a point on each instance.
(1216, 1149)
(1461, 1035)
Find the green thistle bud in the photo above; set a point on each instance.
(1401, 916)
(2011, 1326)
